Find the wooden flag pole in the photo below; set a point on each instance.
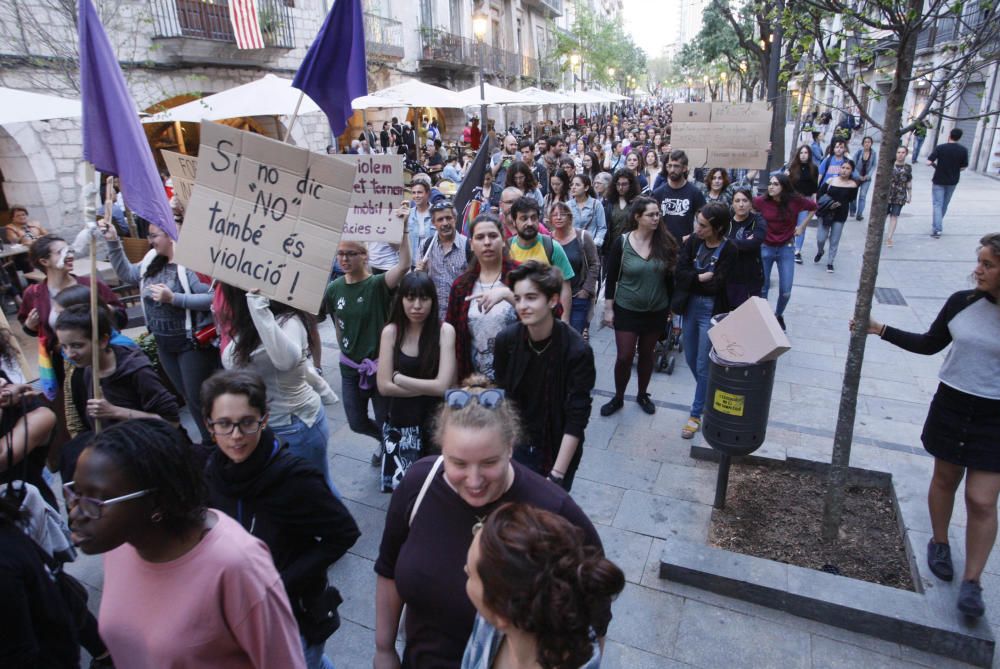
(295, 115)
(95, 335)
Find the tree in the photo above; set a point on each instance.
(604, 47)
(42, 36)
(885, 34)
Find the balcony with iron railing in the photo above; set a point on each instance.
(441, 49)
(208, 22)
(550, 8)
(383, 37)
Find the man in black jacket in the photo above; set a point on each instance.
(547, 368)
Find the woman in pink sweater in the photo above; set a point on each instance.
(184, 586)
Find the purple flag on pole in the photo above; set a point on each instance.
(113, 138)
(333, 72)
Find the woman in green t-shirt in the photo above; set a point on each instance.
(359, 304)
(637, 297)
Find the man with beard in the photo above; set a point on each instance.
(446, 255)
(679, 199)
(530, 245)
(503, 159)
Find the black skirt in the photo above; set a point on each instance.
(963, 429)
(641, 322)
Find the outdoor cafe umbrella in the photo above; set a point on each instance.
(413, 93)
(21, 106)
(538, 96)
(268, 96)
(494, 95)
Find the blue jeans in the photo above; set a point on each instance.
(918, 142)
(784, 256)
(858, 206)
(308, 443)
(579, 313)
(315, 659)
(940, 197)
(831, 232)
(801, 239)
(694, 336)
(356, 398)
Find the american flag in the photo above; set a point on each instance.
(243, 14)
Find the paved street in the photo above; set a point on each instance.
(636, 471)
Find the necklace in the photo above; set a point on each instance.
(492, 285)
(539, 351)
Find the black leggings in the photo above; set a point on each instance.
(626, 344)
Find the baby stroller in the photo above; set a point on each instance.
(668, 343)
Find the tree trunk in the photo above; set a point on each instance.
(837, 479)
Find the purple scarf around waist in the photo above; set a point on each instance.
(366, 370)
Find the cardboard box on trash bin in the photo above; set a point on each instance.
(750, 334)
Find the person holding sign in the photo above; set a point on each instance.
(359, 303)
(176, 304)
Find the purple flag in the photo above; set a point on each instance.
(113, 138)
(333, 72)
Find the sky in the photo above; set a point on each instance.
(649, 22)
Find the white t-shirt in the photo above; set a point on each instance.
(485, 327)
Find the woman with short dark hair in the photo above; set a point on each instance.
(139, 497)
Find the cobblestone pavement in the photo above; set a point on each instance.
(635, 466)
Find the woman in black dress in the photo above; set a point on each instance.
(962, 430)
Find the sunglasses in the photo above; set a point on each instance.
(441, 205)
(457, 398)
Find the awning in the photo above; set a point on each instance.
(21, 106)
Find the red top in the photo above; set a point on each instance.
(781, 224)
(475, 137)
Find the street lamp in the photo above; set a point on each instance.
(690, 83)
(707, 90)
(480, 22)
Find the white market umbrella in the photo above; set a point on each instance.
(21, 106)
(376, 102)
(268, 96)
(494, 95)
(540, 96)
(583, 97)
(413, 93)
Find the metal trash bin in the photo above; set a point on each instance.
(737, 405)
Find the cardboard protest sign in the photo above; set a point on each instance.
(725, 134)
(378, 190)
(265, 215)
(183, 172)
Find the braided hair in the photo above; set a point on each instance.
(155, 455)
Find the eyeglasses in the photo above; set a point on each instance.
(441, 205)
(457, 398)
(349, 254)
(93, 508)
(226, 428)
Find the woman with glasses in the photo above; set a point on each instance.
(278, 497)
(703, 267)
(140, 498)
(481, 303)
(359, 304)
(416, 364)
(430, 522)
(176, 304)
(273, 340)
(640, 282)
(520, 561)
(780, 209)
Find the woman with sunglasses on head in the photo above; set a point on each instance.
(278, 497)
(429, 524)
(140, 498)
(481, 303)
(780, 209)
(273, 340)
(176, 304)
(521, 561)
(359, 304)
(703, 267)
(416, 364)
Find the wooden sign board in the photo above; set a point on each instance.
(722, 134)
(378, 191)
(183, 173)
(265, 215)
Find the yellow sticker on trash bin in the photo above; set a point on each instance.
(729, 403)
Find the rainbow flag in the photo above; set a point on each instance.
(46, 372)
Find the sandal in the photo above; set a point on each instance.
(888, 243)
(690, 428)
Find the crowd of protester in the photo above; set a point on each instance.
(464, 354)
